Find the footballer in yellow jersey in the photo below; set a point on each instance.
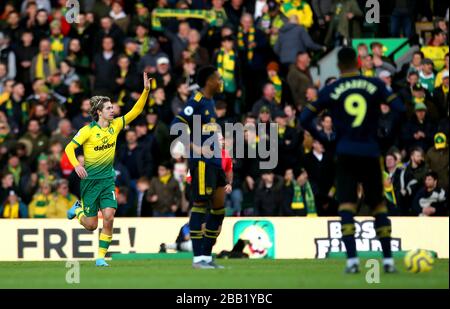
(97, 188)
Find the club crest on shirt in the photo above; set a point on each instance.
(111, 130)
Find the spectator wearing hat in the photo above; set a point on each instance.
(282, 91)
(164, 75)
(431, 199)
(164, 192)
(267, 100)
(440, 96)
(386, 77)
(426, 75)
(13, 207)
(437, 159)
(419, 95)
(419, 131)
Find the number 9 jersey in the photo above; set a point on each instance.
(353, 101)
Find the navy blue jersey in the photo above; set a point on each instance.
(354, 104)
(204, 108)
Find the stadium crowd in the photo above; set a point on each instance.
(263, 50)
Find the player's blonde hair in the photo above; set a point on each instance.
(97, 104)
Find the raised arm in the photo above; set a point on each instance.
(140, 104)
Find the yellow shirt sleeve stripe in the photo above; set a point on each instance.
(182, 119)
(76, 143)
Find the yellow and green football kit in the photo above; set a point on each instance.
(97, 190)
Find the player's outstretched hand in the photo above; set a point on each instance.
(81, 172)
(147, 81)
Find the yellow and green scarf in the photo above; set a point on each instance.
(389, 193)
(276, 81)
(299, 203)
(165, 179)
(11, 211)
(250, 40)
(16, 174)
(41, 203)
(23, 108)
(157, 14)
(226, 63)
(145, 46)
(40, 73)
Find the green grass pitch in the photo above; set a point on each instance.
(238, 274)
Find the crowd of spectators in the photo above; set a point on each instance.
(49, 68)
